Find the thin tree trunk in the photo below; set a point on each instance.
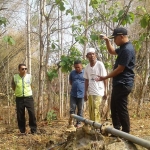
(8, 98)
(47, 58)
(86, 30)
(67, 94)
(62, 76)
(140, 101)
(60, 73)
(41, 74)
(28, 37)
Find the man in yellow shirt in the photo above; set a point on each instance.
(21, 84)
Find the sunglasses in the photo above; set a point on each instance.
(23, 68)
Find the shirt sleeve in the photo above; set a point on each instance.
(13, 84)
(85, 76)
(117, 50)
(103, 71)
(70, 76)
(30, 78)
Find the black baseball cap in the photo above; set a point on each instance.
(118, 31)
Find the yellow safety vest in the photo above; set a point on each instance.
(23, 85)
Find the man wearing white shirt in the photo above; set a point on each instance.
(95, 90)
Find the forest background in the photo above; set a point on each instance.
(48, 35)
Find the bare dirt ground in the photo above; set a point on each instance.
(51, 136)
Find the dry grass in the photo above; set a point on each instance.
(54, 133)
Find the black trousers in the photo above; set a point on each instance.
(21, 104)
(119, 110)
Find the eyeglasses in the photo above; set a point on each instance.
(23, 68)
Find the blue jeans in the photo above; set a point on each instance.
(119, 109)
(79, 102)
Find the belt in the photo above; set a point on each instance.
(25, 97)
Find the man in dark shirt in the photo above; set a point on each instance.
(123, 77)
(77, 90)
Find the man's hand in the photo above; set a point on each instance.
(85, 97)
(103, 36)
(100, 78)
(105, 96)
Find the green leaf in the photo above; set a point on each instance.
(57, 1)
(78, 17)
(77, 38)
(69, 11)
(90, 22)
(137, 44)
(139, 8)
(75, 28)
(61, 6)
(142, 37)
(9, 40)
(83, 23)
(5, 38)
(121, 12)
(129, 18)
(60, 3)
(132, 15)
(3, 21)
(108, 64)
(96, 3)
(53, 46)
(52, 74)
(94, 37)
(82, 41)
(145, 21)
(124, 22)
(115, 19)
(62, 64)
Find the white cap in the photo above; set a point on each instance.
(90, 50)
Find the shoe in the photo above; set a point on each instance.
(22, 134)
(70, 121)
(78, 125)
(125, 140)
(34, 133)
(112, 135)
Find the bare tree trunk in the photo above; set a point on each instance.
(62, 76)
(109, 83)
(41, 73)
(67, 95)
(8, 97)
(60, 73)
(140, 101)
(86, 30)
(50, 103)
(28, 37)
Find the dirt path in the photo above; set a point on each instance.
(51, 135)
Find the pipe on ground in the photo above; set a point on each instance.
(115, 132)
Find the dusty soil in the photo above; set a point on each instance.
(52, 136)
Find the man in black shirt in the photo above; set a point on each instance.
(123, 77)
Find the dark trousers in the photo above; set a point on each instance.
(119, 110)
(21, 104)
(74, 101)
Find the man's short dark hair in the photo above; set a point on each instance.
(19, 66)
(77, 62)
